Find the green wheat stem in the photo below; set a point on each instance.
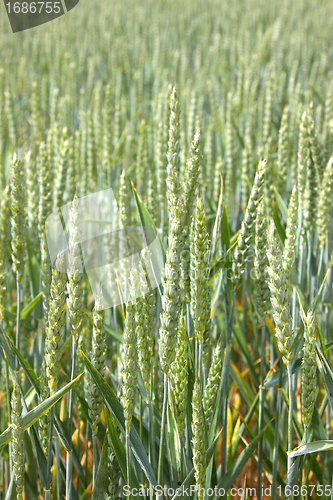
(301, 263)
(151, 431)
(94, 443)
(151, 420)
(276, 447)
(69, 455)
(9, 415)
(49, 448)
(320, 264)
(18, 321)
(327, 337)
(86, 451)
(58, 472)
(232, 317)
(224, 400)
(162, 435)
(261, 409)
(309, 266)
(225, 379)
(75, 278)
(18, 439)
(141, 431)
(290, 415)
(47, 494)
(128, 458)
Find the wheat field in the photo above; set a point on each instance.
(207, 127)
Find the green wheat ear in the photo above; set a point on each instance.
(289, 252)
(316, 148)
(114, 473)
(32, 199)
(303, 146)
(283, 153)
(198, 441)
(95, 398)
(130, 354)
(279, 296)
(45, 189)
(246, 173)
(261, 263)
(75, 274)
(46, 275)
(18, 219)
(213, 383)
(189, 189)
(325, 203)
(245, 239)
(309, 379)
(200, 253)
(172, 180)
(4, 212)
(55, 323)
(310, 196)
(179, 370)
(18, 442)
(145, 316)
(230, 152)
(44, 422)
(171, 294)
(2, 287)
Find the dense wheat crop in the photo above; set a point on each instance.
(212, 123)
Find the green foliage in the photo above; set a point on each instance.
(226, 107)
